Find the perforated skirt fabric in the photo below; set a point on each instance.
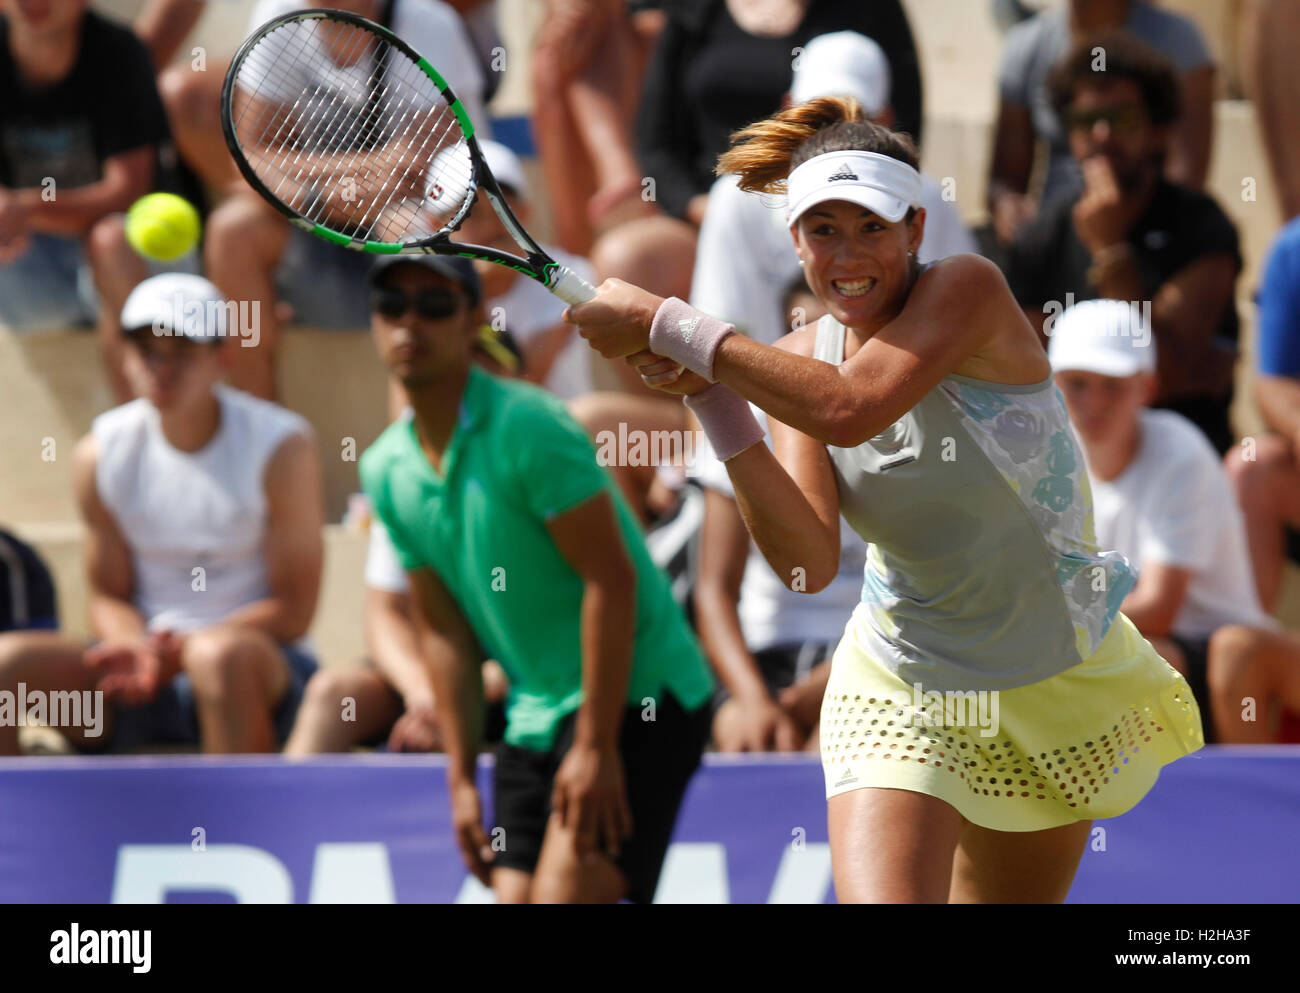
(1087, 743)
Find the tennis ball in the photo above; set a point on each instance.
(162, 226)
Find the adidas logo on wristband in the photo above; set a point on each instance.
(687, 328)
(844, 173)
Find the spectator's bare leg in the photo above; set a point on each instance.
(1268, 490)
(239, 678)
(117, 269)
(1252, 672)
(246, 239)
(1272, 75)
(47, 662)
(892, 846)
(563, 877)
(193, 102)
(1017, 866)
(603, 100)
(340, 710)
(567, 170)
(606, 411)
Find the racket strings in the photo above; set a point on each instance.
(348, 141)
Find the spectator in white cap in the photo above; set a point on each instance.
(203, 514)
(740, 224)
(1162, 499)
(554, 356)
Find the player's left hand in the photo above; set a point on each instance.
(589, 796)
(666, 375)
(616, 322)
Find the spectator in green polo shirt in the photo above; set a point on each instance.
(519, 547)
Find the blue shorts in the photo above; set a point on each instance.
(48, 286)
(51, 287)
(326, 285)
(172, 718)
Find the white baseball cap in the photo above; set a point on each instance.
(505, 166)
(176, 303)
(882, 184)
(1110, 337)
(843, 64)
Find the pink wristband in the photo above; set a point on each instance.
(726, 419)
(689, 338)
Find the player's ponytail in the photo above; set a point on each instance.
(765, 153)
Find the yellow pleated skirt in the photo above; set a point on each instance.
(1087, 743)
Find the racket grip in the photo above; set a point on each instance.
(570, 287)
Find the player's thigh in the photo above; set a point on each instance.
(1017, 866)
(892, 846)
(564, 876)
(512, 885)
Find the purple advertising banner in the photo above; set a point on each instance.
(1219, 826)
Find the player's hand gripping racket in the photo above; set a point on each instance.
(353, 136)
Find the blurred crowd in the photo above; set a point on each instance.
(1098, 216)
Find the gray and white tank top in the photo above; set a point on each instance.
(983, 570)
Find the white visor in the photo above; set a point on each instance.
(882, 184)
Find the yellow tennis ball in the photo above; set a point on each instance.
(162, 226)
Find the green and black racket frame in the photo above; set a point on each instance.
(354, 137)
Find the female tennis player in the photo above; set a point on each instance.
(987, 700)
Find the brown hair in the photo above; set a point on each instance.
(1114, 55)
(765, 153)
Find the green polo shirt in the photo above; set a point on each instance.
(516, 460)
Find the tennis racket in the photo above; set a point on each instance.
(353, 136)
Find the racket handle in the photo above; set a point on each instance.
(570, 287)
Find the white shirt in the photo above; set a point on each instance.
(772, 614)
(431, 27)
(1173, 505)
(195, 522)
(528, 308)
(383, 570)
(745, 259)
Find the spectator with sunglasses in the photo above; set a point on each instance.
(1132, 235)
(1026, 116)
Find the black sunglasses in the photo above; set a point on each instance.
(1122, 120)
(431, 305)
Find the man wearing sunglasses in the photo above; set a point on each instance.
(1129, 234)
(519, 547)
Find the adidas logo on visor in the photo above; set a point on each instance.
(844, 173)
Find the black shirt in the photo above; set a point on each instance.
(107, 104)
(709, 78)
(1049, 264)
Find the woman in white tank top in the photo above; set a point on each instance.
(987, 699)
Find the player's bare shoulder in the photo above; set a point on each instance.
(800, 341)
